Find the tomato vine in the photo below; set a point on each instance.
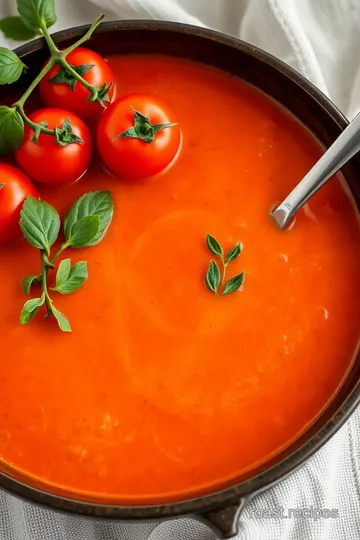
(37, 17)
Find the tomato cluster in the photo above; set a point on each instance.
(134, 136)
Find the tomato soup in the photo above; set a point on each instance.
(164, 390)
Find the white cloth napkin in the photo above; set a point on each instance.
(321, 39)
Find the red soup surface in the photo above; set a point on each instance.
(164, 390)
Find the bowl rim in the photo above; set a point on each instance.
(244, 490)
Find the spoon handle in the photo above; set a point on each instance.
(344, 148)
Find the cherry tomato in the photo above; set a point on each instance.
(15, 186)
(72, 95)
(136, 137)
(48, 162)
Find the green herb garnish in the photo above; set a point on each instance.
(84, 226)
(213, 277)
(35, 18)
(213, 274)
(234, 283)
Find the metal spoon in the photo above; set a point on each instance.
(344, 148)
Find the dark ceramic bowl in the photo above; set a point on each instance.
(221, 509)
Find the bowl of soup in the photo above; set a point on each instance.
(167, 399)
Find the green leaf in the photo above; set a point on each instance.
(30, 309)
(69, 280)
(84, 232)
(2, 185)
(65, 135)
(233, 253)
(27, 282)
(63, 272)
(40, 223)
(11, 67)
(214, 246)
(95, 203)
(234, 283)
(15, 28)
(63, 77)
(37, 13)
(11, 130)
(62, 321)
(213, 277)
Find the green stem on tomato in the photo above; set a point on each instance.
(97, 93)
(45, 266)
(61, 60)
(86, 36)
(59, 57)
(33, 125)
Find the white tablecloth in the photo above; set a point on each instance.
(320, 38)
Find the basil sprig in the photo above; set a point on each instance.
(85, 225)
(213, 274)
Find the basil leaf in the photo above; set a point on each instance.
(95, 203)
(30, 309)
(62, 321)
(11, 67)
(213, 277)
(84, 232)
(40, 223)
(37, 13)
(74, 279)
(27, 282)
(234, 283)
(11, 130)
(63, 272)
(15, 28)
(64, 77)
(214, 245)
(233, 253)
